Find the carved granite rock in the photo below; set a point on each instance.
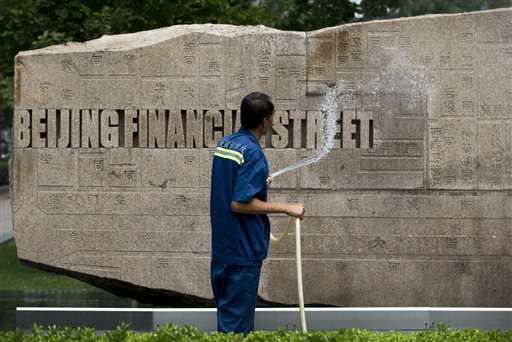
(412, 207)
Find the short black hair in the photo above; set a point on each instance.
(255, 107)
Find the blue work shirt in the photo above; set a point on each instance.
(239, 173)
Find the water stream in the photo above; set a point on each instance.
(397, 75)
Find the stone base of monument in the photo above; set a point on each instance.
(377, 319)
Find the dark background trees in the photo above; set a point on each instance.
(383, 9)
(30, 24)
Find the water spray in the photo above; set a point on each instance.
(328, 109)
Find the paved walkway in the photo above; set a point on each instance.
(5, 214)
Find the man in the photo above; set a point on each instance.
(238, 208)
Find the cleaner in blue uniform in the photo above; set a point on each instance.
(238, 212)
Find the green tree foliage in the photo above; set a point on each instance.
(383, 9)
(30, 24)
(306, 15)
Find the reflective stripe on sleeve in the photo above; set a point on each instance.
(229, 154)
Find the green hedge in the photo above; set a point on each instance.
(4, 172)
(172, 332)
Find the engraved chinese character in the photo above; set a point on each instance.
(356, 56)
(444, 61)
(467, 37)
(73, 236)
(467, 61)
(292, 200)
(449, 181)
(281, 72)
(73, 199)
(467, 106)
(96, 60)
(129, 59)
(467, 176)
(147, 237)
(120, 200)
(264, 68)
(460, 268)
(162, 263)
(356, 41)
(264, 50)
(274, 264)
(45, 86)
(239, 79)
(467, 136)
(189, 47)
(411, 148)
(93, 200)
(99, 165)
(448, 129)
(265, 82)
(353, 204)
(324, 180)
(54, 199)
(67, 65)
(45, 158)
(189, 160)
(374, 41)
(426, 60)
(320, 72)
(449, 101)
(189, 59)
(295, 71)
(160, 91)
(405, 42)
(465, 205)
(486, 110)
(341, 266)
(213, 66)
(388, 40)
(413, 203)
(499, 110)
(349, 87)
(377, 242)
(342, 59)
(451, 243)
(496, 182)
(190, 92)
(393, 266)
(130, 174)
(467, 82)
(66, 94)
(182, 199)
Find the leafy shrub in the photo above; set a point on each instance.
(172, 332)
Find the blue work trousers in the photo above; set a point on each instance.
(235, 289)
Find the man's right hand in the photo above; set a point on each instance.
(296, 210)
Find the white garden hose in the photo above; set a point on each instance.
(299, 266)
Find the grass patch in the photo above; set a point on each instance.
(172, 332)
(17, 277)
(4, 172)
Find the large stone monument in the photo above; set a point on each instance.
(412, 207)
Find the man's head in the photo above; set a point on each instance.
(256, 109)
